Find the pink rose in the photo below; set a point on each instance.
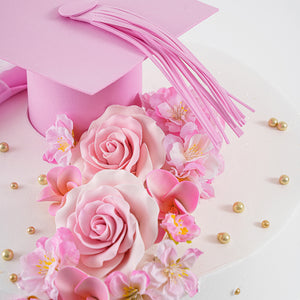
(113, 220)
(124, 137)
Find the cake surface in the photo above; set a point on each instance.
(253, 165)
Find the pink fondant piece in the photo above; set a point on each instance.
(82, 109)
(74, 8)
(35, 37)
(12, 81)
(67, 60)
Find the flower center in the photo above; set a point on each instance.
(193, 152)
(173, 210)
(45, 264)
(181, 229)
(63, 144)
(131, 293)
(175, 271)
(179, 111)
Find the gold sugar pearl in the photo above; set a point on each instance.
(284, 179)
(13, 277)
(31, 230)
(42, 179)
(223, 237)
(238, 207)
(273, 122)
(282, 126)
(7, 254)
(14, 185)
(237, 291)
(4, 147)
(265, 224)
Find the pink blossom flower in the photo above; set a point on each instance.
(192, 157)
(181, 228)
(113, 220)
(60, 139)
(39, 268)
(124, 287)
(171, 195)
(170, 275)
(60, 181)
(168, 109)
(124, 137)
(73, 284)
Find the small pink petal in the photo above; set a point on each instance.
(186, 193)
(116, 282)
(92, 287)
(159, 183)
(140, 280)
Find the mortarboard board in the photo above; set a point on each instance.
(75, 69)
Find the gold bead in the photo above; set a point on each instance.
(31, 230)
(14, 185)
(42, 179)
(224, 237)
(273, 122)
(7, 254)
(282, 126)
(237, 291)
(265, 224)
(284, 179)
(238, 207)
(4, 147)
(13, 277)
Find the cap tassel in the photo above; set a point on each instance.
(179, 66)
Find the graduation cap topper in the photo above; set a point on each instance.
(67, 60)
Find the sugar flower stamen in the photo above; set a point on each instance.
(44, 265)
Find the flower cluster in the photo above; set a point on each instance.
(190, 154)
(133, 180)
(40, 267)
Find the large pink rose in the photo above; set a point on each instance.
(113, 220)
(124, 137)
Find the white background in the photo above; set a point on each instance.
(262, 34)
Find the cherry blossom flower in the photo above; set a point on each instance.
(60, 138)
(170, 275)
(171, 195)
(168, 109)
(181, 228)
(60, 181)
(124, 287)
(192, 157)
(39, 268)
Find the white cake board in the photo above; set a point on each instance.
(253, 165)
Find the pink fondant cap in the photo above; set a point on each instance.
(36, 37)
